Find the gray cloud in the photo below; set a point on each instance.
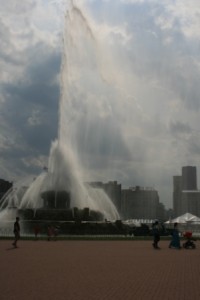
(31, 110)
(180, 128)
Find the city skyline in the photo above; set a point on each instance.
(185, 181)
(144, 123)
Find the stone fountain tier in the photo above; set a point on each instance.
(56, 199)
(54, 214)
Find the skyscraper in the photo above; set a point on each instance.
(189, 178)
(186, 196)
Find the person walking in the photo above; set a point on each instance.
(16, 231)
(156, 235)
(175, 242)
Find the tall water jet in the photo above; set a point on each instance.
(65, 172)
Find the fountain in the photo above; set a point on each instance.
(61, 188)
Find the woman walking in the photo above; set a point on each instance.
(175, 242)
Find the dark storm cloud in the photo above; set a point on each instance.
(14, 160)
(38, 85)
(29, 99)
(31, 108)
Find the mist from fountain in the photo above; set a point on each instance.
(65, 171)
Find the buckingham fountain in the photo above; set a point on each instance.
(60, 192)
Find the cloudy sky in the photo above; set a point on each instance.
(136, 96)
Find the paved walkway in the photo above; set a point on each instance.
(99, 270)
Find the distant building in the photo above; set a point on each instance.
(140, 203)
(134, 202)
(112, 189)
(4, 187)
(177, 190)
(190, 201)
(186, 196)
(161, 212)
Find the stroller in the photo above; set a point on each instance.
(189, 243)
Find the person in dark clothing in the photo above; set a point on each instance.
(16, 231)
(175, 242)
(156, 235)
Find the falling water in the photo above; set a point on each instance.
(79, 71)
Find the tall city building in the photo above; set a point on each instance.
(186, 196)
(189, 178)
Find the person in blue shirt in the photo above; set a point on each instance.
(175, 242)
